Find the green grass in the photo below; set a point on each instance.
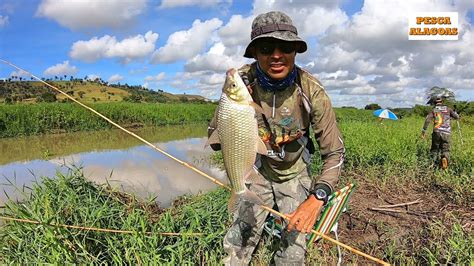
(26, 119)
(72, 200)
(386, 156)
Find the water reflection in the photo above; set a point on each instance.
(48, 146)
(119, 159)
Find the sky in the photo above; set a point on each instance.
(359, 50)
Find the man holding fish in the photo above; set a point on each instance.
(262, 125)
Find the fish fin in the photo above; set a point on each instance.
(257, 107)
(250, 196)
(230, 71)
(261, 147)
(213, 139)
(251, 176)
(247, 195)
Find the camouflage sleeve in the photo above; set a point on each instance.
(428, 119)
(453, 114)
(329, 138)
(210, 128)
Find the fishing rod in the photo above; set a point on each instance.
(271, 210)
(113, 123)
(459, 131)
(459, 126)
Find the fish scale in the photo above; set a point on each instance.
(237, 126)
(237, 133)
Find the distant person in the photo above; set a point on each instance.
(292, 101)
(440, 139)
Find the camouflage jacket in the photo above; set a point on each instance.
(441, 116)
(284, 127)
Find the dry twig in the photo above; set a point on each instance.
(401, 204)
(400, 211)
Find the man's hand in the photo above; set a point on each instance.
(423, 135)
(304, 217)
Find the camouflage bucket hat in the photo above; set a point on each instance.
(275, 25)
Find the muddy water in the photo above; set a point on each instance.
(115, 157)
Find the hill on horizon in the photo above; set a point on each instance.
(86, 91)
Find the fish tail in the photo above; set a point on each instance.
(247, 195)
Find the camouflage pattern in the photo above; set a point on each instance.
(289, 123)
(440, 146)
(294, 156)
(441, 138)
(283, 175)
(248, 221)
(268, 20)
(284, 179)
(441, 117)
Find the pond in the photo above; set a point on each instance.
(115, 157)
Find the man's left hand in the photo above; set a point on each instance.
(304, 217)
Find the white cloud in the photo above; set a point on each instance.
(204, 83)
(333, 57)
(289, 6)
(3, 21)
(86, 14)
(138, 71)
(107, 46)
(319, 19)
(156, 78)
(214, 79)
(373, 46)
(92, 50)
(183, 3)
(364, 90)
(186, 44)
(115, 78)
(236, 31)
(215, 60)
(61, 69)
(211, 85)
(367, 55)
(93, 77)
(311, 18)
(204, 71)
(19, 73)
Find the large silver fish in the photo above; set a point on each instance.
(237, 132)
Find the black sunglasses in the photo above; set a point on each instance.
(267, 48)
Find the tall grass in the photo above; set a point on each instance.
(387, 155)
(72, 200)
(395, 149)
(23, 119)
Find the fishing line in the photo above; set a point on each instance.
(351, 249)
(116, 125)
